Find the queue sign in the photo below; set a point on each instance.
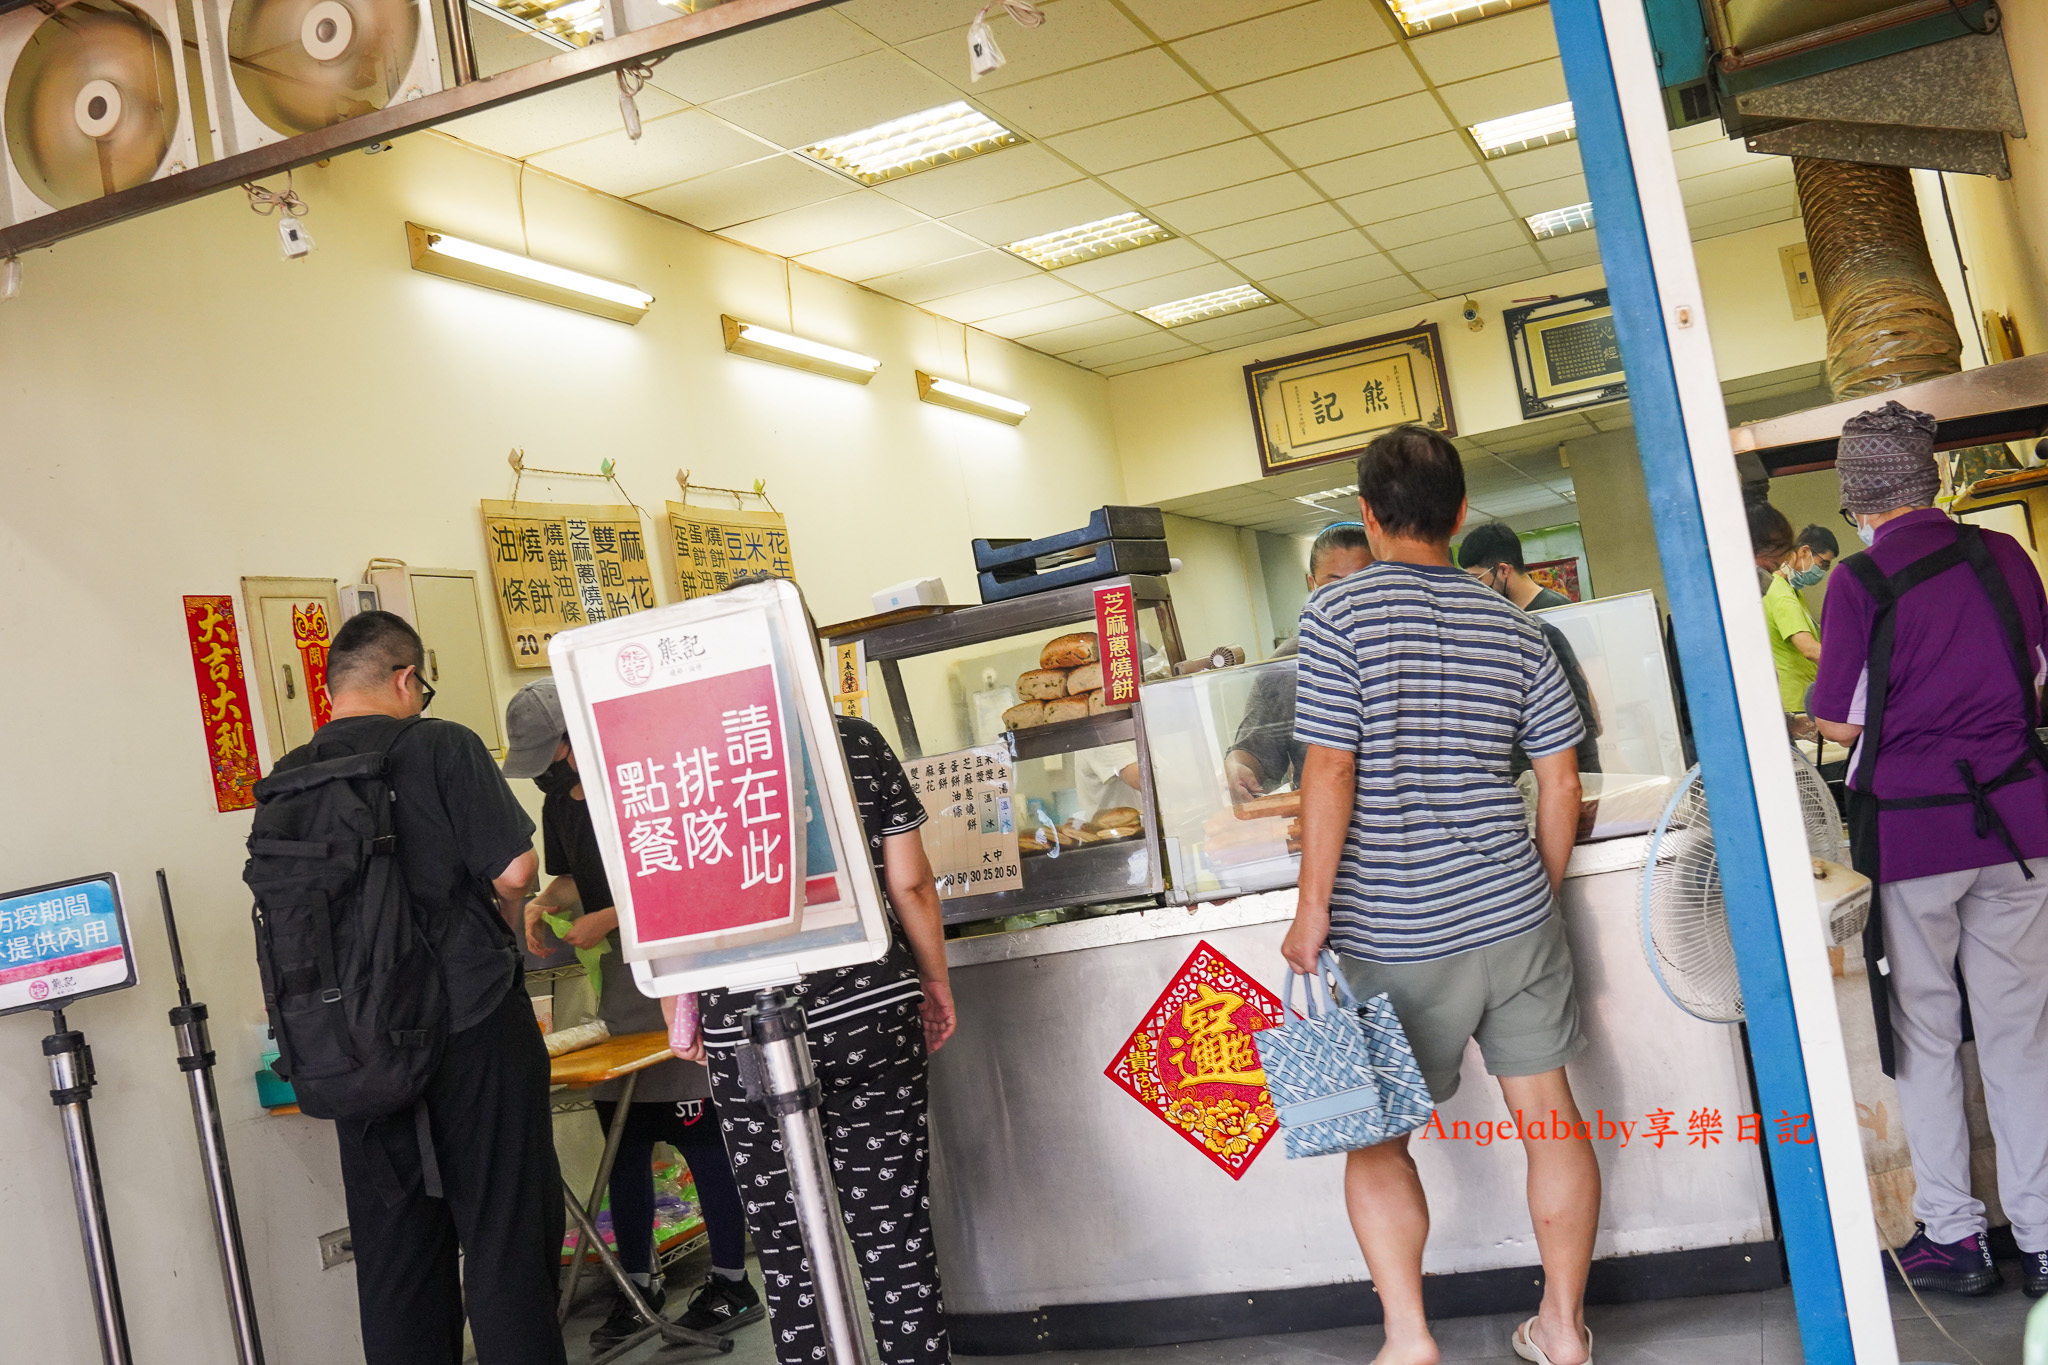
(61, 942)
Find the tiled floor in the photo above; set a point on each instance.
(1727, 1329)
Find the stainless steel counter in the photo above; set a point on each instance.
(1053, 1188)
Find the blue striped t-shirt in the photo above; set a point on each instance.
(1432, 679)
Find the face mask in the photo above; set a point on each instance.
(1809, 577)
(1868, 534)
(558, 779)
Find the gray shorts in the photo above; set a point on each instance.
(1515, 997)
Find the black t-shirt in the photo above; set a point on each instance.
(458, 827)
(569, 849)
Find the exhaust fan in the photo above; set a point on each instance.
(279, 68)
(94, 98)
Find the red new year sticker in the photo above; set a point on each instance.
(1116, 627)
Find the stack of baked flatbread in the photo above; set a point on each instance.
(1066, 685)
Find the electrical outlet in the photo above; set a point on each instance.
(335, 1247)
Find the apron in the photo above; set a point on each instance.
(1864, 804)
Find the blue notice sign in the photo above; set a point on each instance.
(61, 942)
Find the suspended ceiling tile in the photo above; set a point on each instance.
(1095, 94)
(1150, 362)
(762, 56)
(1262, 234)
(1696, 134)
(1324, 278)
(1063, 341)
(742, 193)
(1571, 250)
(1482, 272)
(1212, 168)
(1434, 225)
(1439, 191)
(904, 21)
(1406, 162)
(1182, 284)
(1012, 296)
(1374, 295)
(837, 99)
(979, 180)
(1514, 91)
(1171, 19)
(1331, 88)
(1220, 208)
(1293, 38)
(944, 279)
(673, 148)
(1466, 50)
(1350, 245)
(1028, 215)
(1772, 205)
(891, 252)
(1129, 267)
(555, 118)
(1770, 173)
(817, 226)
(1076, 33)
(1155, 341)
(1551, 194)
(1243, 329)
(1048, 317)
(1554, 162)
(1362, 130)
(1448, 246)
(1150, 136)
(1721, 154)
(1374, 309)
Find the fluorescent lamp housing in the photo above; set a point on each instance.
(963, 398)
(799, 353)
(1200, 307)
(1088, 241)
(1557, 222)
(1417, 17)
(913, 143)
(1524, 132)
(458, 258)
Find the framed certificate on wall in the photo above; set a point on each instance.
(1565, 353)
(1325, 405)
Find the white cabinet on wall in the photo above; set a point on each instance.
(283, 688)
(444, 608)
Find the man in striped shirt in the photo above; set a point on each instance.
(1416, 684)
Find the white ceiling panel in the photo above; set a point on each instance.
(1363, 130)
(1050, 317)
(1150, 136)
(1718, 155)
(1028, 215)
(904, 21)
(1182, 284)
(1083, 336)
(1723, 227)
(1482, 272)
(1394, 165)
(1437, 224)
(1454, 245)
(1219, 208)
(945, 279)
(1554, 162)
(817, 226)
(994, 300)
(1325, 278)
(1212, 168)
(1181, 352)
(1459, 186)
(1293, 38)
(673, 148)
(1463, 51)
(1514, 91)
(1570, 251)
(1551, 194)
(1129, 267)
(1367, 78)
(1761, 174)
(1695, 134)
(836, 100)
(1378, 294)
(1286, 260)
(555, 118)
(1075, 33)
(1262, 234)
(1151, 343)
(762, 56)
(1108, 90)
(1242, 329)
(1170, 19)
(1369, 310)
(1783, 199)
(980, 180)
(756, 190)
(890, 252)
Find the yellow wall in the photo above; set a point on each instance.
(182, 407)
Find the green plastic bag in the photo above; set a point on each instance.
(587, 956)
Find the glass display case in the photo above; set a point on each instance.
(1039, 795)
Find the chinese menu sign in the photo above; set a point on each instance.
(971, 833)
(555, 566)
(1352, 402)
(60, 942)
(309, 633)
(1192, 1061)
(697, 765)
(1116, 627)
(849, 679)
(224, 700)
(711, 546)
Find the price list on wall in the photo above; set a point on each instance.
(971, 833)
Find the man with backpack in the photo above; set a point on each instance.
(388, 858)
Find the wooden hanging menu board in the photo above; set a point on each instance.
(710, 546)
(558, 565)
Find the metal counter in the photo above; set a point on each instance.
(1067, 1215)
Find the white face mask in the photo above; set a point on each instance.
(1867, 533)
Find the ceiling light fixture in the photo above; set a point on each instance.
(1235, 299)
(781, 348)
(1526, 131)
(1103, 237)
(457, 258)
(1417, 17)
(916, 142)
(1316, 500)
(964, 398)
(1557, 222)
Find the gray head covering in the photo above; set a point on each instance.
(1886, 460)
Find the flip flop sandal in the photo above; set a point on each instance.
(1524, 1343)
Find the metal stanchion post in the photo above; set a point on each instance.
(72, 1078)
(195, 1059)
(776, 1068)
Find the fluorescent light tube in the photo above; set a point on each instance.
(962, 398)
(916, 142)
(801, 353)
(1417, 17)
(1235, 299)
(1557, 222)
(1087, 241)
(458, 258)
(1526, 131)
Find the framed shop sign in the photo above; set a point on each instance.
(1565, 353)
(1325, 405)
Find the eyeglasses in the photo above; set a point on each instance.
(426, 688)
(1846, 517)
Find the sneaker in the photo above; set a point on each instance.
(624, 1323)
(2035, 1264)
(722, 1305)
(1956, 1267)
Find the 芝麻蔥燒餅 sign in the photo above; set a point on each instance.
(1116, 630)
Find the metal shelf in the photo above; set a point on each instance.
(1066, 736)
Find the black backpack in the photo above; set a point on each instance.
(351, 982)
